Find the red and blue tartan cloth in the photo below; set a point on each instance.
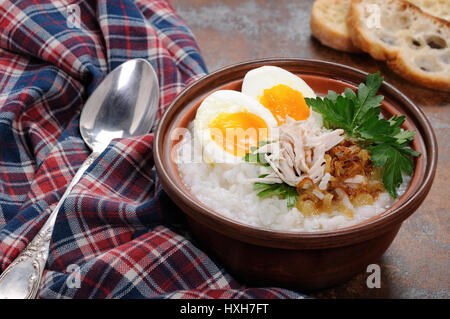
(115, 236)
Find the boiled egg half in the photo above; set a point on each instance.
(281, 92)
(228, 123)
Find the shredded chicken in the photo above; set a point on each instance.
(299, 152)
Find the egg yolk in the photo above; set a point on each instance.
(282, 100)
(238, 132)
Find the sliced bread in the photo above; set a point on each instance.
(414, 44)
(328, 24)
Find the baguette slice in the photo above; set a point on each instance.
(437, 8)
(328, 24)
(414, 44)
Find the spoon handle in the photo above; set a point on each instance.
(22, 277)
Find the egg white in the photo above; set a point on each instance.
(268, 76)
(225, 101)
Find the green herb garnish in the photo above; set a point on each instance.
(359, 116)
(256, 158)
(283, 190)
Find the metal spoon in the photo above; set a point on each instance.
(123, 105)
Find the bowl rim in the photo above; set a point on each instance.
(290, 239)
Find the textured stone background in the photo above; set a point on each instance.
(417, 263)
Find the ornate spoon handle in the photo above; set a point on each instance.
(22, 277)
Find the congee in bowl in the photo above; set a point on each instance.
(275, 155)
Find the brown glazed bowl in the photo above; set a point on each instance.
(301, 260)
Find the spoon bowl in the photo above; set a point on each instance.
(121, 106)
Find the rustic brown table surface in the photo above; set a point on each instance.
(231, 31)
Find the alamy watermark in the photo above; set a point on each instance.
(73, 280)
(73, 20)
(374, 279)
(214, 144)
(373, 16)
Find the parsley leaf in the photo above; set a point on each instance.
(359, 116)
(394, 161)
(336, 112)
(283, 190)
(256, 158)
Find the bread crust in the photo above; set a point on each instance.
(328, 35)
(439, 8)
(404, 70)
(400, 58)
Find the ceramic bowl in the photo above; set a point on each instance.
(303, 260)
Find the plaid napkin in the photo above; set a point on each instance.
(116, 236)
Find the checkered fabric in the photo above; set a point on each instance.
(115, 235)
